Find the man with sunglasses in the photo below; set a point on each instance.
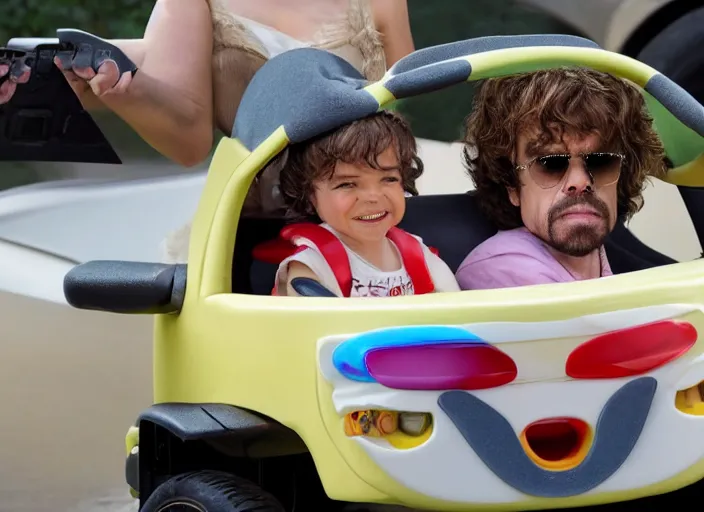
(555, 156)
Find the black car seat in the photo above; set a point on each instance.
(451, 223)
(455, 226)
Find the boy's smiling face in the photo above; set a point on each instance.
(362, 203)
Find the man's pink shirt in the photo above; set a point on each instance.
(515, 257)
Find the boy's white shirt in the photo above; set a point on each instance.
(368, 280)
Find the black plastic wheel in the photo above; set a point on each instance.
(210, 491)
(675, 52)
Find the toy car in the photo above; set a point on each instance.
(534, 398)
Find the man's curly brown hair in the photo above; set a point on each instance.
(579, 101)
(361, 141)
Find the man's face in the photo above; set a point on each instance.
(576, 214)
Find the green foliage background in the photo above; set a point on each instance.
(439, 115)
(436, 116)
(41, 18)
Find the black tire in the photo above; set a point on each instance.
(210, 491)
(676, 53)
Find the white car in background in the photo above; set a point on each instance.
(665, 34)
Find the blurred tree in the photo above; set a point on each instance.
(41, 18)
(439, 115)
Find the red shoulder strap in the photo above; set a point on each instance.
(330, 247)
(413, 259)
(275, 251)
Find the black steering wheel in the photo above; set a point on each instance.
(306, 287)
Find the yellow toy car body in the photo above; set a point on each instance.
(530, 398)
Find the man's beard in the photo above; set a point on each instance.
(582, 239)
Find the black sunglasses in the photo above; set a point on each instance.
(548, 170)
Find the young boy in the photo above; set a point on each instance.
(352, 183)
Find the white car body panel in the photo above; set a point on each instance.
(46, 229)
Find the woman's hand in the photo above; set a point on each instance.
(107, 81)
(10, 76)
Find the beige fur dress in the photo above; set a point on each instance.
(241, 46)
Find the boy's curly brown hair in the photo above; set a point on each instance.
(361, 141)
(578, 100)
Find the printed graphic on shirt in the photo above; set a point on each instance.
(381, 286)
